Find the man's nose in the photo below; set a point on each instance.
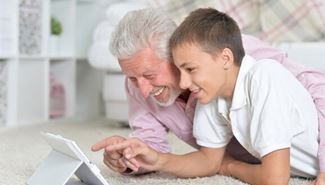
(185, 81)
(145, 87)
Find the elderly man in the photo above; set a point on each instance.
(156, 102)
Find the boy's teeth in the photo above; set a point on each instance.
(159, 91)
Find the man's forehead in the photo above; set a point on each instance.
(138, 67)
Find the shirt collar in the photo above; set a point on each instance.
(223, 107)
(239, 96)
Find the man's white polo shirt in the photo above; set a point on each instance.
(270, 110)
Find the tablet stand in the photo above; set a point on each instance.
(58, 168)
(65, 160)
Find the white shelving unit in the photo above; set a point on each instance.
(27, 64)
(8, 62)
(63, 61)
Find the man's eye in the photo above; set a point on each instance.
(132, 79)
(150, 77)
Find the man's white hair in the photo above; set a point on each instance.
(139, 29)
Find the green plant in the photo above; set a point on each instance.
(56, 27)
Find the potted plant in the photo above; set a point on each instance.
(56, 31)
(56, 28)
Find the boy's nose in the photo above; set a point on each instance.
(185, 81)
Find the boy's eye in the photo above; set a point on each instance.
(190, 69)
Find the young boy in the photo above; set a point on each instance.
(260, 103)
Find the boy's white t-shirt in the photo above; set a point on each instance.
(270, 110)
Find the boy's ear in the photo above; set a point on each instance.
(227, 57)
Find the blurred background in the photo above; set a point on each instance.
(55, 64)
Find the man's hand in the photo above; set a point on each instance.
(113, 159)
(139, 153)
(320, 180)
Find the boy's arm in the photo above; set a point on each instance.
(274, 169)
(204, 162)
(320, 180)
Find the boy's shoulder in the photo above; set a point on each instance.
(263, 70)
(267, 67)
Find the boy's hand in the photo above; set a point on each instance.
(139, 153)
(113, 159)
(320, 180)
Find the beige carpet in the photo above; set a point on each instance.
(23, 149)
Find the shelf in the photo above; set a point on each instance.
(32, 87)
(54, 58)
(25, 52)
(86, 1)
(53, 1)
(88, 16)
(64, 12)
(63, 72)
(3, 92)
(82, 58)
(30, 72)
(4, 58)
(30, 57)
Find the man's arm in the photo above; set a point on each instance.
(274, 169)
(204, 162)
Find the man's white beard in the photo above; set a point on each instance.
(173, 96)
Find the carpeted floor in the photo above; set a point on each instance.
(23, 149)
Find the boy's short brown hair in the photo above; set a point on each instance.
(212, 30)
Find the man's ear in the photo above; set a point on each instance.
(228, 58)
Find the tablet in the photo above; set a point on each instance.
(88, 172)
